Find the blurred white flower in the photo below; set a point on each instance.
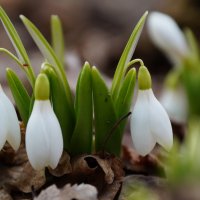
(166, 34)
(9, 124)
(175, 102)
(44, 142)
(150, 123)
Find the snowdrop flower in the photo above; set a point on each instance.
(9, 125)
(166, 34)
(44, 142)
(150, 123)
(175, 102)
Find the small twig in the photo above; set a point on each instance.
(110, 133)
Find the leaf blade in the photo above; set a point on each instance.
(105, 116)
(61, 106)
(48, 53)
(20, 94)
(126, 92)
(18, 45)
(82, 135)
(57, 38)
(126, 56)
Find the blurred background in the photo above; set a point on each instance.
(96, 31)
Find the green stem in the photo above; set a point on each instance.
(132, 62)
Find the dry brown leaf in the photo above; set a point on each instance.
(104, 172)
(4, 194)
(68, 192)
(64, 166)
(15, 170)
(9, 157)
(22, 178)
(149, 164)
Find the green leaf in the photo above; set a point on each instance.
(57, 37)
(126, 56)
(12, 56)
(32, 101)
(191, 81)
(124, 100)
(183, 162)
(17, 43)
(21, 97)
(105, 116)
(193, 43)
(61, 106)
(81, 141)
(49, 54)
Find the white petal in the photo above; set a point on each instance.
(55, 136)
(175, 103)
(3, 125)
(43, 131)
(160, 124)
(13, 135)
(165, 33)
(37, 138)
(143, 141)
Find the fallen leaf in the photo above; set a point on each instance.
(104, 172)
(9, 157)
(68, 192)
(4, 195)
(16, 172)
(64, 166)
(149, 164)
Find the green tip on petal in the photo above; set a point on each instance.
(42, 87)
(144, 78)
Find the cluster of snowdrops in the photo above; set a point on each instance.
(55, 121)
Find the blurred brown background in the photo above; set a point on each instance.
(96, 31)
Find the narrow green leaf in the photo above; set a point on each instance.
(32, 101)
(61, 106)
(49, 54)
(193, 43)
(126, 56)
(17, 43)
(12, 56)
(105, 116)
(20, 95)
(124, 100)
(191, 82)
(57, 38)
(81, 141)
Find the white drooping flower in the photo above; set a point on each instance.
(166, 34)
(9, 125)
(44, 142)
(175, 102)
(150, 123)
